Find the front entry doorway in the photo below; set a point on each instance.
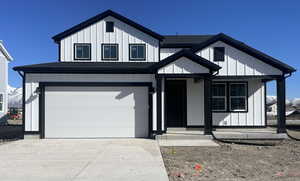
(175, 103)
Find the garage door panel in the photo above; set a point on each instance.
(87, 112)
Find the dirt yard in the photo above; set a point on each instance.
(234, 162)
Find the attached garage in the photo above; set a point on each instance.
(95, 111)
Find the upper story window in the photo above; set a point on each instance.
(1, 102)
(219, 97)
(110, 52)
(82, 51)
(109, 26)
(219, 54)
(137, 52)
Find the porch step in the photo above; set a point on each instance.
(252, 136)
(170, 136)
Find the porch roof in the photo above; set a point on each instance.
(191, 56)
(87, 67)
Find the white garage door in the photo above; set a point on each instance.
(95, 112)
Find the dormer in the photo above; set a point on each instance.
(108, 37)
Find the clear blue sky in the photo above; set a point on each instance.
(270, 26)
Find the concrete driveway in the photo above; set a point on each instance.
(82, 160)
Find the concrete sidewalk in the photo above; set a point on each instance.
(82, 160)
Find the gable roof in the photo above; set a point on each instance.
(244, 48)
(188, 54)
(183, 41)
(87, 67)
(101, 16)
(5, 52)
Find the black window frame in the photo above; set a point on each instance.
(245, 97)
(219, 97)
(137, 44)
(228, 97)
(109, 26)
(102, 51)
(75, 51)
(216, 57)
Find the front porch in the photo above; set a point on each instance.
(268, 133)
(190, 93)
(193, 113)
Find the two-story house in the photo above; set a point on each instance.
(5, 58)
(116, 78)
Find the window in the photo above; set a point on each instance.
(219, 53)
(219, 97)
(238, 96)
(82, 51)
(137, 52)
(109, 26)
(110, 51)
(1, 102)
(229, 96)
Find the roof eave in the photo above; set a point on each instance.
(5, 52)
(247, 49)
(188, 54)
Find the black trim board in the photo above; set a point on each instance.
(59, 52)
(244, 48)
(24, 102)
(158, 105)
(188, 54)
(265, 98)
(182, 75)
(101, 16)
(103, 67)
(42, 86)
(265, 77)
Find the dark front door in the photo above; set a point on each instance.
(176, 103)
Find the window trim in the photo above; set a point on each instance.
(223, 55)
(228, 110)
(224, 97)
(245, 97)
(1, 93)
(113, 28)
(102, 51)
(82, 59)
(137, 44)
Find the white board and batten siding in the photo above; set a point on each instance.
(183, 66)
(256, 109)
(123, 35)
(238, 63)
(32, 98)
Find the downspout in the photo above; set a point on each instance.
(287, 133)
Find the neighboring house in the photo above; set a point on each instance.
(4, 59)
(116, 78)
